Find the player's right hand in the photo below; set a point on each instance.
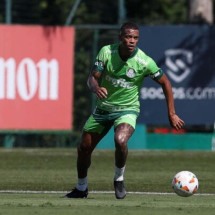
(101, 93)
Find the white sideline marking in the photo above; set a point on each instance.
(94, 192)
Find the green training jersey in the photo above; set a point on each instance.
(123, 79)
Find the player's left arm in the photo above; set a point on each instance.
(174, 119)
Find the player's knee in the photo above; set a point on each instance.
(85, 149)
(121, 140)
(122, 134)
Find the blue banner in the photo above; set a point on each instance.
(187, 56)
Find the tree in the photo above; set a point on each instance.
(201, 11)
(157, 12)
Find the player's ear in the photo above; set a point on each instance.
(120, 37)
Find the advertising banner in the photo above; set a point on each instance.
(36, 77)
(187, 56)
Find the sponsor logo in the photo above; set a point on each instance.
(178, 63)
(179, 93)
(121, 82)
(28, 79)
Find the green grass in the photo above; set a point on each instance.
(105, 204)
(146, 171)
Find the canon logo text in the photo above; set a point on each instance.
(28, 79)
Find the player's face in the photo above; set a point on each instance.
(129, 39)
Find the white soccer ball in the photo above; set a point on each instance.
(185, 183)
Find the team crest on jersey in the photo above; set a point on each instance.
(130, 73)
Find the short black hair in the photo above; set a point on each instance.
(128, 25)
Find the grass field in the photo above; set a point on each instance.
(33, 181)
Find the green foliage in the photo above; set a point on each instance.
(55, 12)
(157, 12)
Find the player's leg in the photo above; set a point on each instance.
(124, 129)
(92, 134)
(122, 134)
(85, 149)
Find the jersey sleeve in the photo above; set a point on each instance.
(153, 70)
(100, 61)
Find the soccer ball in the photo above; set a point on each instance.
(185, 183)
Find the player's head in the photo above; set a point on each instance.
(128, 25)
(129, 36)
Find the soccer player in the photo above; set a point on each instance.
(116, 79)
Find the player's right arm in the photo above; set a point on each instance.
(93, 84)
(96, 74)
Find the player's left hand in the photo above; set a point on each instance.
(176, 122)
